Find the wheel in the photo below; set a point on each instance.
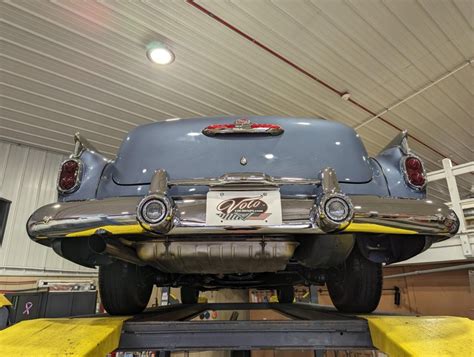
(357, 285)
(189, 295)
(125, 288)
(286, 294)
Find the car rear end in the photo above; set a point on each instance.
(265, 202)
(217, 195)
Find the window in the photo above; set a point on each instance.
(4, 208)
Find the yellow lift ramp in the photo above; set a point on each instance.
(173, 328)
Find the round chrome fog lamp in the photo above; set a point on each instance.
(153, 211)
(337, 209)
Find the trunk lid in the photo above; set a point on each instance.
(305, 147)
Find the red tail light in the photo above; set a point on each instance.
(414, 172)
(69, 176)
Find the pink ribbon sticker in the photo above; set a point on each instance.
(28, 307)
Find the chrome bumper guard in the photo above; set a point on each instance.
(187, 216)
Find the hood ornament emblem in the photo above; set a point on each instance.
(243, 161)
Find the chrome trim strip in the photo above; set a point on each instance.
(237, 131)
(252, 178)
(118, 216)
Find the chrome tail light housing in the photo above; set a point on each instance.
(69, 177)
(414, 172)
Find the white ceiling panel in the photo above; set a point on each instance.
(70, 66)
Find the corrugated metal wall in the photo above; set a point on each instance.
(28, 179)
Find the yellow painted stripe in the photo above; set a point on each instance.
(125, 229)
(62, 337)
(376, 228)
(404, 336)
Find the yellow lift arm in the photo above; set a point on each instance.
(397, 336)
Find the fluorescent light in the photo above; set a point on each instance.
(159, 53)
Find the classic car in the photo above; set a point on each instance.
(241, 202)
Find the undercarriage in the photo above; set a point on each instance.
(294, 274)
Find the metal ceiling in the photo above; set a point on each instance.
(72, 66)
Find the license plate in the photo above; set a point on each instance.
(243, 208)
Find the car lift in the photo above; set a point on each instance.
(311, 327)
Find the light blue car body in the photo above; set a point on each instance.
(307, 146)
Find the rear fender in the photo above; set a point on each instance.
(390, 161)
(93, 164)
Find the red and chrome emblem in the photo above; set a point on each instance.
(243, 123)
(243, 126)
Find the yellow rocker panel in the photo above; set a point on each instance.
(62, 337)
(433, 336)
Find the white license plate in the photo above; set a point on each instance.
(243, 208)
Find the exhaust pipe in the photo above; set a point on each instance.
(102, 246)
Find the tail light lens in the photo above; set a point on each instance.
(414, 172)
(69, 176)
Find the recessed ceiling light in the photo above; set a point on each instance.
(159, 53)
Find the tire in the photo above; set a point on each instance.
(357, 285)
(125, 288)
(189, 295)
(286, 294)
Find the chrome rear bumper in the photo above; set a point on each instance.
(117, 216)
(187, 216)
